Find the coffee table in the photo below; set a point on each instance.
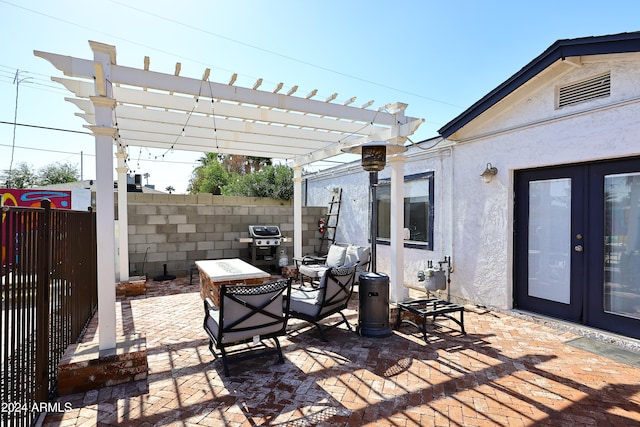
(232, 271)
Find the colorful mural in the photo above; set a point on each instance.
(30, 198)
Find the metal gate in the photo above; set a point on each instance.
(49, 293)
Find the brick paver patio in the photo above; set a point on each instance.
(505, 371)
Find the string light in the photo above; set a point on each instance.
(182, 134)
(213, 115)
(118, 138)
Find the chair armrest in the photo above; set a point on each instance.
(209, 305)
(312, 259)
(309, 260)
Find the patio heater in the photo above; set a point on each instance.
(373, 291)
(374, 159)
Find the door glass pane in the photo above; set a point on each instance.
(550, 239)
(622, 245)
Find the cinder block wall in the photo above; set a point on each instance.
(177, 230)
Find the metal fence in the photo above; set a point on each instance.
(49, 293)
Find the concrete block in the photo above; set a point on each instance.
(186, 246)
(168, 247)
(215, 254)
(146, 209)
(223, 244)
(205, 246)
(186, 228)
(222, 228)
(205, 228)
(177, 219)
(182, 237)
(240, 210)
(177, 256)
(157, 238)
(146, 229)
(156, 219)
(204, 210)
(168, 209)
(205, 199)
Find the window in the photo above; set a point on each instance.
(418, 211)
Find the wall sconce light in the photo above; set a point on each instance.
(489, 173)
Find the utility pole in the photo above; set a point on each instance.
(16, 81)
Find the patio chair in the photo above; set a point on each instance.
(330, 297)
(247, 313)
(339, 254)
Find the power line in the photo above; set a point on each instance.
(290, 58)
(228, 39)
(45, 127)
(9, 79)
(45, 150)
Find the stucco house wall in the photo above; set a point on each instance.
(531, 133)
(474, 220)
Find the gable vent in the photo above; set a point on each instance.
(596, 87)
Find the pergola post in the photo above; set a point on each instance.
(123, 217)
(104, 132)
(398, 291)
(297, 211)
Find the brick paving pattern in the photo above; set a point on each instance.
(505, 371)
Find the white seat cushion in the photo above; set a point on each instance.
(356, 254)
(313, 271)
(234, 311)
(305, 301)
(335, 256)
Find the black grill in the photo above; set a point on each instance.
(264, 243)
(265, 235)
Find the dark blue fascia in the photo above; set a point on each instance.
(615, 43)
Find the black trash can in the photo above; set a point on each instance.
(373, 309)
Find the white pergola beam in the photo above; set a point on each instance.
(186, 104)
(136, 115)
(70, 66)
(196, 87)
(246, 141)
(402, 131)
(157, 122)
(225, 147)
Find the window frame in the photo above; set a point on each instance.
(414, 244)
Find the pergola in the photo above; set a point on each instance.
(129, 106)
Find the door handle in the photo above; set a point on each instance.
(578, 248)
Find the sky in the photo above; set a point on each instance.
(439, 57)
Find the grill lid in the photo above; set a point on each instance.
(264, 231)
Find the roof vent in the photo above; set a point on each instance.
(595, 87)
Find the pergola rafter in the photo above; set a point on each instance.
(139, 107)
(311, 129)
